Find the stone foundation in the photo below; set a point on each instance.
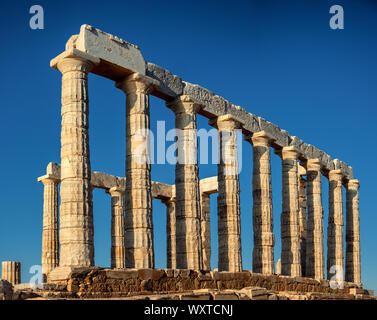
(172, 284)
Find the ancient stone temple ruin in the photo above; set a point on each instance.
(68, 248)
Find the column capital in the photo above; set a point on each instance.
(116, 191)
(48, 178)
(259, 139)
(335, 175)
(137, 82)
(313, 165)
(288, 153)
(183, 104)
(168, 201)
(353, 184)
(74, 60)
(226, 122)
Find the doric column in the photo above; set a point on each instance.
(315, 265)
(187, 204)
(171, 252)
(335, 226)
(118, 257)
(50, 232)
(353, 261)
(264, 239)
(206, 230)
(138, 215)
(11, 271)
(228, 200)
(302, 216)
(290, 237)
(76, 208)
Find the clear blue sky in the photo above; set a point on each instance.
(278, 59)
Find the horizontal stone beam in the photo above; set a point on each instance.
(106, 181)
(209, 185)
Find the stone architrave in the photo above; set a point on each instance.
(11, 271)
(290, 237)
(187, 202)
(50, 232)
(228, 200)
(118, 256)
(264, 239)
(335, 256)
(315, 264)
(138, 195)
(76, 208)
(353, 260)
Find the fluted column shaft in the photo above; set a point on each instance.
(353, 259)
(228, 200)
(11, 271)
(302, 220)
(76, 208)
(138, 214)
(187, 205)
(264, 239)
(290, 237)
(315, 264)
(206, 230)
(118, 256)
(50, 232)
(171, 252)
(335, 254)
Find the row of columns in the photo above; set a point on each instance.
(188, 224)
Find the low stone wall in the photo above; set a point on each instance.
(169, 283)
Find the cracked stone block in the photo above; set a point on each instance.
(281, 138)
(170, 84)
(251, 122)
(198, 94)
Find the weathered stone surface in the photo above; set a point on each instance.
(106, 181)
(302, 216)
(11, 271)
(335, 226)
(157, 284)
(76, 208)
(264, 239)
(314, 242)
(280, 137)
(171, 86)
(199, 95)
(161, 191)
(50, 233)
(138, 196)
(228, 202)
(250, 121)
(353, 263)
(347, 171)
(6, 290)
(118, 250)
(205, 222)
(109, 48)
(209, 185)
(171, 244)
(290, 254)
(217, 106)
(308, 151)
(187, 198)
